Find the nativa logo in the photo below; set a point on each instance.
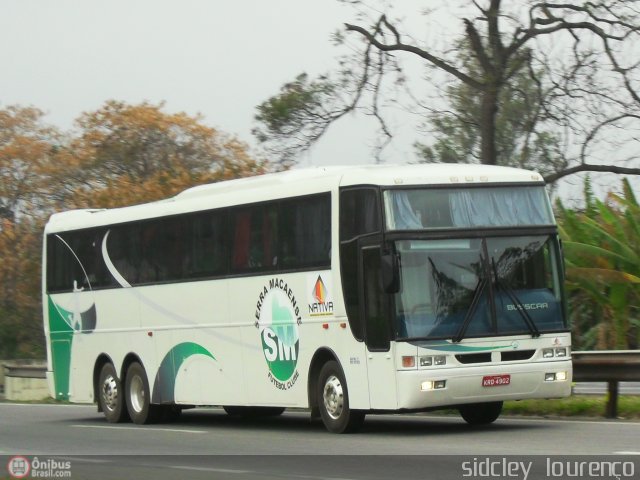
(278, 317)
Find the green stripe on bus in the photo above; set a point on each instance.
(165, 382)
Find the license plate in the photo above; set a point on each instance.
(496, 380)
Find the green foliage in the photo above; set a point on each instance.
(581, 406)
(524, 135)
(602, 254)
(297, 116)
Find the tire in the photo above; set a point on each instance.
(332, 397)
(253, 411)
(138, 396)
(111, 395)
(481, 413)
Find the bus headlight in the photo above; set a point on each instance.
(433, 385)
(561, 352)
(440, 360)
(426, 361)
(558, 352)
(555, 377)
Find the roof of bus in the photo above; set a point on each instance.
(293, 183)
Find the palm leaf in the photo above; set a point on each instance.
(588, 250)
(604, 275)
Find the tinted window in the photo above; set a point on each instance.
(272, 236)
(305, 228)
(359, 212)
(255, 233)
(375, 301)
(73, 261)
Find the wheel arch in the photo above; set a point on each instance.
(322, 356)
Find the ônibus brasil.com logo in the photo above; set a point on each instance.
(21, 467)
(18, 467)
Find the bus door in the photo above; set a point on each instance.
(380, 362)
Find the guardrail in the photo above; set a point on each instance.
(611, 366)
(25, 382)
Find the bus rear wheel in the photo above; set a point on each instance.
(138, 396)
(111, 395)
(333, 401)
(480, 413)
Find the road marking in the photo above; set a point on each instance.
(84, 405)
(86, 460)
(626, 453)
(244, 472)
(153, 429)
(210, 469)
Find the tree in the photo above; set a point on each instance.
(128, 154)
(525, 134)
(21, 332)
(121, 154)
(503, 46)
(27, 147)
(602, 251)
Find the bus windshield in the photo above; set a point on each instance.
(472, 287)
(416, 209)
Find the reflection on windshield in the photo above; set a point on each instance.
(478, 287)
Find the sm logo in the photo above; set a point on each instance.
(280, 351)
(278, 318)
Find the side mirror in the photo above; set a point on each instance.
(390, 273)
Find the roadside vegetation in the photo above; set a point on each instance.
(574, 406)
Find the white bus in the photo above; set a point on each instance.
(342, 290)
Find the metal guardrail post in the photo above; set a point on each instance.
(612, 399)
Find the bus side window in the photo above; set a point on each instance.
(255, 238)
(305, 232)
(241, 240)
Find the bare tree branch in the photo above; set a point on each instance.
(402, 47)
(583, 167)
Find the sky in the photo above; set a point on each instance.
(216, 58)
(220, 59)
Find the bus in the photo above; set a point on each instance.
(345, 291)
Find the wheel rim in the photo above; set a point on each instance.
(136, 393)
(333, 397)
(110, 393)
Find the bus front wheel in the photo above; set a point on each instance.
(333, 401)
(111, 395)
(481, 413)
(138, 396)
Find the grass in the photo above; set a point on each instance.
(574, 406)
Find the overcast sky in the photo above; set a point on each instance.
(217, 58)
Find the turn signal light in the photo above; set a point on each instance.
(408, 362)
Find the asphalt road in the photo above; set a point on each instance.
(207, 443)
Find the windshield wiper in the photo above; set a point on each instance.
(531, 325)
(477, 294)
